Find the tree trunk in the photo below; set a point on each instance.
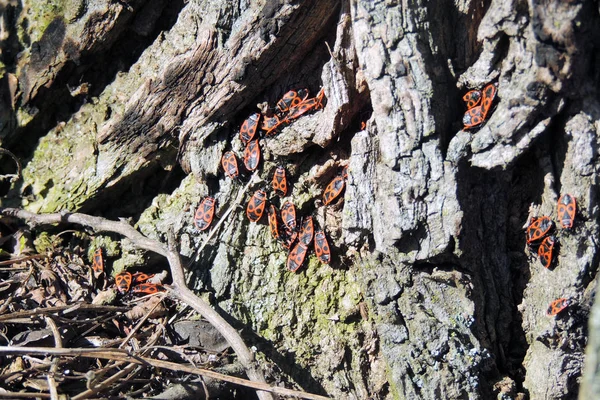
(124, 109)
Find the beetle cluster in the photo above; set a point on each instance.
(292, 106)
(539, 235)
(284, 226)
(124, 280)
(295, 237)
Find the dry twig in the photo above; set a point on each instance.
(123, 355)
(179, 290)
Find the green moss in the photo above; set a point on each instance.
(45, 243)
(60, 175)
(37, 15)
(23, 117)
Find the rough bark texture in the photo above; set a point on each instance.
(125, 108)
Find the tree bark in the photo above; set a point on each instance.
(125, 108)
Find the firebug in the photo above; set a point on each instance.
(291, 99)
(256, 205)
(229, 163)
(567, 208)
(297, 256)
(322, 247)
(557, 306)
(487, 98)
(147, 288)
(335, 187)
(538, 228)
(249, 128)
(288, 215)
(279, 181)
(545, 251)
(205, 213)
(123, 281)
(141, 277)
(478, 113)
(252, 155)
(98, 262)
(274, 222)
(473, 117)
(307, 230)
(270, 125)
(312, 104)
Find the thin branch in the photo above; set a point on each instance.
(21, 395)
(54, 367)
(94, 389)
(25, 316)
(141, 322)
(123, 355)
(179, 289)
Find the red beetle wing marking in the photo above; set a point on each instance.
(322, 247)
(229, 163)
(307, 230)
(545, 251)
(557, 306)
(279, 182)
(334, 189)
(123, 281)
(472, 98)
(283, 105)
(249, 128)
(256, 205)
(473, 117)
(288, 215)
(205, 213)
(98, 262)
(140, 277)
(487, 97)
(567, 208)
(297, 256)
(270, 125)
(302, 108)
(291, 99)
(274, 221)
(302, 95)
(147, 288)
(252, 155)
(538, 228)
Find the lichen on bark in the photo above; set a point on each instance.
(432, 292)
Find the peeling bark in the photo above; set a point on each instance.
(432, 292)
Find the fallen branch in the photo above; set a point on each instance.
(179, 290)
(125, 356)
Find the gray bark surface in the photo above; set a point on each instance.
(125, 108)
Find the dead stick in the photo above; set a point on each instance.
(54, 367)
(21, 395)
(123, 355)
(179, 291)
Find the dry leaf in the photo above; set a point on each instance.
(103, 297)
(38, 295)
(143, 308)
